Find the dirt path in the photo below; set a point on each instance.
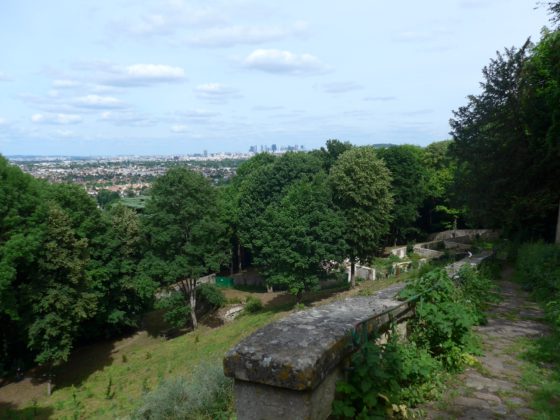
(493, 389)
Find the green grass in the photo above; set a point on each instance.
(541, 375)
(115, 390)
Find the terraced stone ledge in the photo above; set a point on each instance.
(288, 369)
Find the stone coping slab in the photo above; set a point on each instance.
(299, 351)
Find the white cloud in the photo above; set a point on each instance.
(284, 62)
(99, 102)
(215, 92)
(4, 77)
(65, 84)
(3, 121)
(379, 98)
(178, 128)
(64, 133)
(125, 118)
(145, 74)
(59, 119)
(194, 116)
(341, 87)
(228, 36)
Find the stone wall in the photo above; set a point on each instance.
(289, 368)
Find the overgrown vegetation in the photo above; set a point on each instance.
(206, 394)
(385, 379)
(538, 270)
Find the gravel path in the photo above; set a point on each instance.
(492, 390)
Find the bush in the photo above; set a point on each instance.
(211, 295)
(208, 394)
(478, 290)
(253, 304)
(443, 319)
(178, 311)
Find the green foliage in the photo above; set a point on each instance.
(386, 378)
(439, 211)
(302, 231)
(506, 140)
(211, 295)
(253, 305)
(444, 317)
(538, 270)
(207, 394)
(372, 382)
(383, 377)
(360, 182)
(105, 198)
(177, 306)
(408, 186)
(177, 311)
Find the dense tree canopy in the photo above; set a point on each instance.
(67, 271)
(507, 141)
(302, 233)
(409, 178)
(185, 238)
(361, 185)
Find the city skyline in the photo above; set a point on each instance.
(180, 77)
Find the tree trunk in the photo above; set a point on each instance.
(192, 299)
(239, 256)
(352, 273)
(558, 227)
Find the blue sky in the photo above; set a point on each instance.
(108, 77)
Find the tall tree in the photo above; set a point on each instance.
(408, 185)
(440, 210)
(506, 140)
(361, 186)
(185, 237)
(60, 296)
(302, 233)
(267, 184)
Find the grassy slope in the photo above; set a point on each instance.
(138, 363)
(138, 367)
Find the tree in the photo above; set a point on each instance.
(105, 198)
(185, 237)
(302, 233)
(60, 295)
(506, 140)
(264, 185)
(439, 211)
(490, 142)
(124, 292)
(408, 185)
(361, 184)
(332, 150)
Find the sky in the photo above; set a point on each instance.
(157, 77)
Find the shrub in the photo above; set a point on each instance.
(443, 319)
(253, 304)
(177, 312)
(208, 394)
(478, 290)
(211, 295)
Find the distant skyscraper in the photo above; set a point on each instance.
(273, 148)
